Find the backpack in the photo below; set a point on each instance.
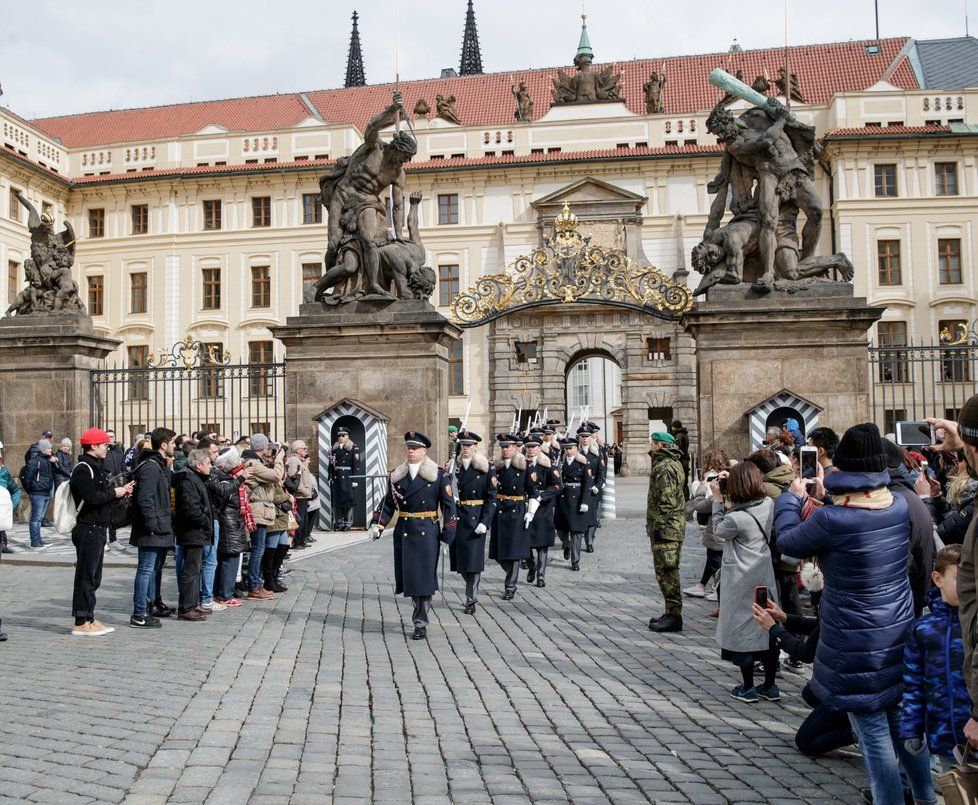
(6, 510)
(65, 512)
(25, 475)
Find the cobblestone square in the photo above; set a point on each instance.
(561, 695)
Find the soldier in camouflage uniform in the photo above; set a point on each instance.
(665, 524)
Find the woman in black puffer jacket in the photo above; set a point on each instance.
(233, 539)
(952, 513)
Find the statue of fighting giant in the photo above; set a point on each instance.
(366, 253)
(767, 173)
(48, 270)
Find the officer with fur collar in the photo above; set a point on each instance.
(475, 478)
(518, 489)
(588, 445)
(574, 502)
(417, 488)
(551, 445)
(542, 532)
(344, 464)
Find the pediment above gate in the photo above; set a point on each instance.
(592, 200)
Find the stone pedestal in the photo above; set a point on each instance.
(45, 361)
(394, 357)
(750, 347)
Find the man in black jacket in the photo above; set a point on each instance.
(152, 524)
(114, 465)
(93, 497)
(193, 524)
(37, 478)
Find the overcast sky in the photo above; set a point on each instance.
(64, 56)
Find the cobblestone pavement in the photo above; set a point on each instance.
(561, 695)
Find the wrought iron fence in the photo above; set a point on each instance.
(191, 387)
(915, 381)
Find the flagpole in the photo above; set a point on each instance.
(787, 72)
(397, 114)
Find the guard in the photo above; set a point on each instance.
(592, 453)
(542, 531)
(518, 489)
(551, 446)
(476, 483)
(344, 466)
(417, 488)
(572, 513)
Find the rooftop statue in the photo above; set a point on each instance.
(586, 85)
(48, 269)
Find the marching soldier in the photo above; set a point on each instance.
(551, 446)
(542, 532)
(517, 491)
(603, 480)
(476, 482)
(592, 453)
(572, 513)
(666, 527)
(344, 464)
(417, 488)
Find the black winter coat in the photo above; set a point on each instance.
(921, 561)
(194, 518)
(92, 491)
(114, 461)
(62, 470)
(39, 475)
(509, 539)
(232, 539)
(152, 524)
(952, 521)
(542, 530)
(467, 552)
(575, 490)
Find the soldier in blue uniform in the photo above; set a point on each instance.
(516, 504)
(588, 446)
(551, 446)
(476, 488)
(573, 507)
(417, 489)
(542, 532)
(344, 464)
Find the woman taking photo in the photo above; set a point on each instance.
(746, 565)
(714, 462)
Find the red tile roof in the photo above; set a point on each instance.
(32, 163)
(487, 100)
(887, 131)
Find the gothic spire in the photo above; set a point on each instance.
(354, 60)
(471, 54)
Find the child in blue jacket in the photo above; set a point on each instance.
(936, 704)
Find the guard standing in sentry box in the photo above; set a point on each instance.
(517, 492)
(572, 514)
(417, 489)
(542, 531)
(476, 506)
(344, 464)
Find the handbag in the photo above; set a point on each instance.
(959, 784)
(293, 523)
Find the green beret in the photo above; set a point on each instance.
(661, 436)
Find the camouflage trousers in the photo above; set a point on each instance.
(665, 559)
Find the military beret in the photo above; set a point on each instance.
(453, 429)
(662, 436)
(414, 439)
(468, 437)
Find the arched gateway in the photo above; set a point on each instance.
(587, 290)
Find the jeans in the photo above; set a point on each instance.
(149, 564)
(258, 536)
(276, 538)
(825, 729)
(878, 734)
(209, 569)
(39, 505)
(227, 571)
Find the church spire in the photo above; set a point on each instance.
(354, 60)
(471, 54)
(584, 46)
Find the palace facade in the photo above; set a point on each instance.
(204, 218)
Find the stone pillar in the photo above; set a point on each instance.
(45, 361)
(749, 347)
(393, 356)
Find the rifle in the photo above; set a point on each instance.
(453, 462)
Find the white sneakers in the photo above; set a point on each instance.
(213, 606)
(696, 591)
(91, 629)
(712, 596)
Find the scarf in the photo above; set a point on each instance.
(244, 505)
(874, 499)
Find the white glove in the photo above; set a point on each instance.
(594, 490)
(375, 531)
(583, 508)
(481, 529)
(531, 509)
(527, 520)
(355, 485)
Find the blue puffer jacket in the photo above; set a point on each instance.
(935, 698)
(866, 606)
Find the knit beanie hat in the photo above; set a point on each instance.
(968, 422)
(861, 450)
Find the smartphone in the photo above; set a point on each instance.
(722, 483)
(760, 596)
(809, 462)
(915, 434)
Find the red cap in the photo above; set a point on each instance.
(94, 436)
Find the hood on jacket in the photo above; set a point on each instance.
(781, 477)
(840, 481)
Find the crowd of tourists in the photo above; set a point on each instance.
(866, 567)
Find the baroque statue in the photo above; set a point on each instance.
(48, 269)
(653, 93)
(445, 108)
(767, 174)
(367, 254)
(586, 85)
(783, 82)
(421, 108)
(524, 103)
